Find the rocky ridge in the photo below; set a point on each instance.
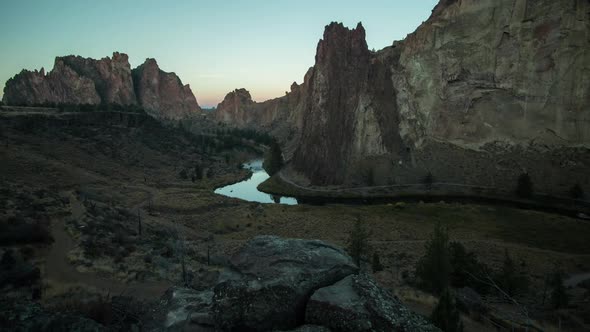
(276, 284)
(110, 80)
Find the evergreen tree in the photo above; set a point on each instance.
(559, 296)
(358, 241)
(274, 159)
(198, 172)
(434, 268)
(446, 315)
(576, 192)
(509, 279)
(524, 186)
(428, 180)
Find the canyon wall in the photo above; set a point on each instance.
(480, 93)
(77, 80)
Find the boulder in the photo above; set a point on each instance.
(187, 309)
(270, 280)
(357, 303)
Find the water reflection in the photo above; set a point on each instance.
(247, 190)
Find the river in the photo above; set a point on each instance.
(247, 189)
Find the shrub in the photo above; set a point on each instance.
(376, 264)
(21, 232)
(183, 174)
(466, 269)
(446, 315)
(273, 162)
(434, 267)
(524, 186)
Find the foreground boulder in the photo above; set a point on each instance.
(276, 284)
(270, 280)
(356, 303)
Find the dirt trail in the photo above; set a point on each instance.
(60, 271)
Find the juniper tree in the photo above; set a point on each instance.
(434, 268)
(358, 241)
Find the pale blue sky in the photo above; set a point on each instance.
(215, 46)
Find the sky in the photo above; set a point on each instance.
(215, 46)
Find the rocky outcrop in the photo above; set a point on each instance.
(111, 76)
(480, 93)
(356, 304)
(268, 285)
(277, 116)
(270, 279)
(62, 85)
(350, 107)
(162, 93)
(76, 80)
(508, 70)
(237, 108)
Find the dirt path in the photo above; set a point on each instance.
(60, 271)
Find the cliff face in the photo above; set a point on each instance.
(511, 70)
(61, 85)
(504, 82)
(77, 80)
(237, 108)
(163, 93)
(111, 76)
(349, 107)
(278, 116)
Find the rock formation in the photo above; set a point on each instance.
(277, 116)
(76, 80)
(356, 303)
(111, 76)
(61, 85)
(480, 93)
(351, 119)
(268, 286)
(163, 93)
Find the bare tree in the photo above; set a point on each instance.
(139, 222)
(488, 280)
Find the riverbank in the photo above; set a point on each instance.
(280, 184)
